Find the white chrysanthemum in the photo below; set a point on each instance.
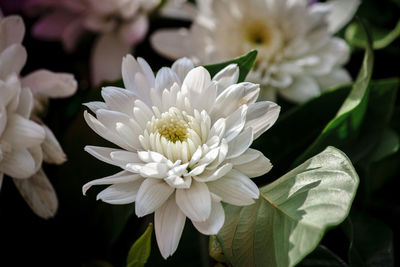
(185, 142)
(24, 140)
(119, 23)
(297, 54)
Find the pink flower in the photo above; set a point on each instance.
(120, 24)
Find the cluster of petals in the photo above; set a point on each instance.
(25, 142)
(184, 141)
(298, 56)
(120, 24)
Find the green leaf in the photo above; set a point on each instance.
(344, 128)
(371, 242)
(140, 250)
(245, 64)
(289, 219)
(322, 257)
(381, 38)
(388, 145)
(378, 115)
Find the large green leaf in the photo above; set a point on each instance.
(245, 64)
(344, 128)
(381, 38)
(140, 250)
(289, 219)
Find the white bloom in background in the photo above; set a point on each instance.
(25, 142)
(297, 54)
(120, 24)
(184, 140)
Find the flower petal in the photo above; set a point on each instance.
(12, 31)
(342, 11)
(52, 151)
(23, 133)
(252, 163)
(18, 163)
(235, 188)
(39, 194)
(153, 193)
(214, 223)
(118, 178)
(121, 193)
(169, 222)
(12, 60)
(235, 122)
(135, 31)
(107, 57)
(261, 116)
(302, 89)
(240, 143)
(182, 67)
(195, 202)
(51, 84)
(226, 77)
(171, 43)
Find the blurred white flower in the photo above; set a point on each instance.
(119, 23)
(24, 140)
(185, 142)
(297, 54)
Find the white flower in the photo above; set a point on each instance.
(297, 54)
(119, 23)
(185, 142)
(24, 140)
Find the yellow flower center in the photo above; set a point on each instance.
(258, 33)
(172, 127)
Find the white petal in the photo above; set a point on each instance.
(107, 57)
(23, 133)
(52, 151)
(214, 223)
(252, 163)
(39, 194)
(147, 71)
(213, 175)
(182, 67)
(172, 43)
(12, 31)
(240, 143)
(235, 188)
(153, 193)
(233, 97)
(119, 99)
(104, 132)
(26, 103)
(95, 105)
(235, 123)
(342, 11)
(336, 77)
(118, 178)
(135, 31)
(154, 170)
(12, 59)
(129, 69)
(150, 156)
(19, 163)
(121, 193)
(302, 89)
(169, 222)
(226, 77)
(51, 84)
(261, 116)
(37, 156)
(195, 202)
(165, 79)
(104, 154)
(196, 83)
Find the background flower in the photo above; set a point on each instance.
(297, 54)
(185, 141)
(24, 140)
(120, 24)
